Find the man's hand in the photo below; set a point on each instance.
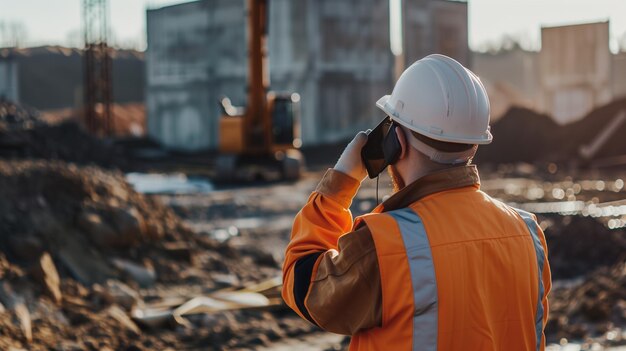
(350, 161)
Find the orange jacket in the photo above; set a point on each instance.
(438, 266)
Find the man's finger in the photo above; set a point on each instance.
(360, 138)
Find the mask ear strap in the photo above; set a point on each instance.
(450, 158)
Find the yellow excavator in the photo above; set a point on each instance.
(260, 141)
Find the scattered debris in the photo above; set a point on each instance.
(16, 117)
(120, 316)
(46, 273)
(116, 292)
(15, 303)
(179, 251)
(88, 268)
(143, 276)
(23, 134)
(593, 306)
(114, 261)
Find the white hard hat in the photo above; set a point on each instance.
(439, 98)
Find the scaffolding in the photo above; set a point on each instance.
(97, 88)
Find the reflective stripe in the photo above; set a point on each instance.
(422, 277)
(539, 251)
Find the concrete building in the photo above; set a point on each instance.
(435, 27)
(196, 53)
(572, 74)
(575, 70)
(335, 54)
(511, 78)
(9, 86)
(619, 75)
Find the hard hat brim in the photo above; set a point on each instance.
(383, 104)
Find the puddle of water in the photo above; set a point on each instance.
(224, 229)
(612, 213)
(560, 207)
(148, 183)
(223, 234)
(579, 347)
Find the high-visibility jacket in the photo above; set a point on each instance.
(438, 266)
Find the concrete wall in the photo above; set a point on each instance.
(438, 26)
(51, 77)
(353, 66)
(335, 54)
(619, 74)
(575, 70)
(196, 53)
(511, 78)
(450, 30)
(9, 86)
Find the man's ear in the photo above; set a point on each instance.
(403, 142)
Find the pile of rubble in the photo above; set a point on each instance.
(578, 245)
(595, 306)
(87, 263)
(16, 117)
(584, 131)
(523, 135)
(25, 134)
(588, 265)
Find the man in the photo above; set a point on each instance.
(440, 265)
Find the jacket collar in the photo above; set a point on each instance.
(447, 179)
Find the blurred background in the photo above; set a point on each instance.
(153, 154)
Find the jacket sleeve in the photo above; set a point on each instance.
(330, 273)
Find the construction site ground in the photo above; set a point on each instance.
(89, 263)
(584, 252)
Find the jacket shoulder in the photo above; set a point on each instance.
(385, 232)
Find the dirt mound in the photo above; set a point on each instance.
(588, 265)
(80, 249)
(24, 134)
(578, 245)
(521, 135)
(584, 131)
(128, 120)
(591, 308)
(16, 117)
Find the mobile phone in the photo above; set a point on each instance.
(380, 151)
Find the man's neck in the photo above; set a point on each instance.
(424, 168)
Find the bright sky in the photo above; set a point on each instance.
(59, 22)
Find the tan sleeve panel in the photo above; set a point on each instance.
(345, 294)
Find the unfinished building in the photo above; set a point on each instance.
(196, 52)
(575, 70)
(435, 27)
(335, 54)
(8, 77)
